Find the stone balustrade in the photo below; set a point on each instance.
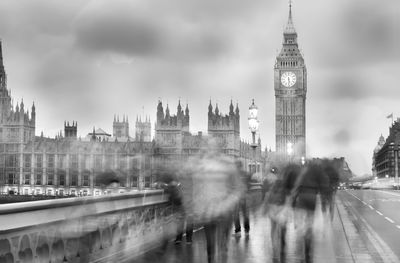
(84, 229)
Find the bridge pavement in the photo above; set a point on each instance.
(336, 241)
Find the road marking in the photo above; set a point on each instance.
(379, 213)
(364, 203)
(398, 226)
(381, 247)
(388, 219)
(370, 206)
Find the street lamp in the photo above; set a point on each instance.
(253, 125)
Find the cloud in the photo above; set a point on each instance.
(136, 31)
(342, 137)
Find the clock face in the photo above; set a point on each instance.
(288, 79)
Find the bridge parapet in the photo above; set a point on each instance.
(84, 229)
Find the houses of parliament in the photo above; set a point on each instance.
(101, 162)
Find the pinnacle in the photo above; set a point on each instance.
(290, 26)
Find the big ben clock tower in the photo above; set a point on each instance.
(290, 83)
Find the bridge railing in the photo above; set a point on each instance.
(89, 229)
(84, 229)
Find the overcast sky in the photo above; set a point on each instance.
(88, 60)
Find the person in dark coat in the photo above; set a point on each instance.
(334, 178)
(242, 207)
(183, 217)
(313, 181)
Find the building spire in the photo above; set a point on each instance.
(290, 26)
(1, 55)
(2, 71)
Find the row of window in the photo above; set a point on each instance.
(289, 63)
(12, 160)
(12, 178)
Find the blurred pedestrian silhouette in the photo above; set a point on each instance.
(242, 207)
(278, 206)
(217, 189)
(185, 222)
(313, 181)
(268, 181)
(334, 178)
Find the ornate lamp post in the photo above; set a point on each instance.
(253, 125)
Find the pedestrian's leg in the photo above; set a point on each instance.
(226, 227)
(308, 237)
(210, 231)
(245, 211)
(189, 229)
(180, 227)
(274, 239)
(237, 219)
(283, 243)
(332, 206)
(308, 245)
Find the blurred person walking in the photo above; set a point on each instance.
(268, 181)
(242, 206)
(334, 179)
(313, 181)
(185, 224)
(278, 206)
(217, 189)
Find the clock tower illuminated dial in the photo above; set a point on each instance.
(288, 79)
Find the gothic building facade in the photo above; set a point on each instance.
(101, 162)
(290, 84)
(386, 154)
(174, 143)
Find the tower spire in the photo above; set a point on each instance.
(1, 55)
(2, 71)
(290, 26)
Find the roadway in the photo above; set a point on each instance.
(376, 213)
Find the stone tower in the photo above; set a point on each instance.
(290, 84)
(143, 129)
(71, 131)
(121, 128)
(16, 125)
(170, 129)
(225, 129)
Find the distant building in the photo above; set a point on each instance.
(121, 129)
(100, 135)
(378, 147)
(387, 157)
(174, 142)
(143, 129)
(101, 162)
